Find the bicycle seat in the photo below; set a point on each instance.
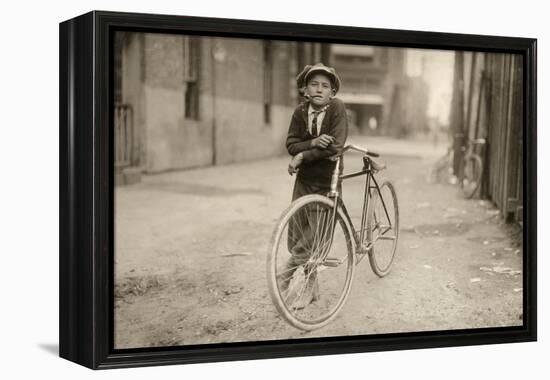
(374, 165)
(377, 166)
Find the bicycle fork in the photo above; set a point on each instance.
(371, 185)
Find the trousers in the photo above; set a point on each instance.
(307, 225)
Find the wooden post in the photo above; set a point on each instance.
(457, 109)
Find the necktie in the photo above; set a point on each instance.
(314, 131)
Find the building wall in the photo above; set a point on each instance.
(376, 72)
(171, 140)
(231, 126)
(241, 131)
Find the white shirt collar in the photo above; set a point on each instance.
(310, 109)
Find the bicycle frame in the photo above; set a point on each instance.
(370, 185)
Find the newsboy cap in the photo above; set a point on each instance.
(305, 74)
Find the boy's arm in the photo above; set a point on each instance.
(338, 130)
(294, 141)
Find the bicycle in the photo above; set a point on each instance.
(319, 230)
(471, 168)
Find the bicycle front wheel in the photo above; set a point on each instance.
(383, 228)
(472, 172)
(310, 262)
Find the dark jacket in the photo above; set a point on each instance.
(316, 169)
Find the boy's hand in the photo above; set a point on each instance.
(322, 141)
(294, 163)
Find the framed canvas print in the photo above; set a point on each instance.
(237, 189)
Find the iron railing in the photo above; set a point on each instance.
(123, 135)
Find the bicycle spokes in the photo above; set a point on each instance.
(314, 267)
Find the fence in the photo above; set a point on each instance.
(123, 135)
(488, 103)
(504, 131)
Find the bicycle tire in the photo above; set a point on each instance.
(381, 257)
(316, 314)
(472, 167)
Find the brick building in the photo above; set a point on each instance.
(187, 101)
(372, 77)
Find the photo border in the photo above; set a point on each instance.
(86, 182)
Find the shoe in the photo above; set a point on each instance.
(309, 295)
(284, 278)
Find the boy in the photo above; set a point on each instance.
(317, 131)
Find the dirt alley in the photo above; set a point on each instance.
(191, 249)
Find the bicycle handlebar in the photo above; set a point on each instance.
(360, 150)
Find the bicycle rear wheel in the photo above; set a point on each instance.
(309, 267)
(383, 228)
(472, 167)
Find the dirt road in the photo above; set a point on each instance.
(191, 249)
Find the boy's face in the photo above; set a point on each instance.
(319, 89)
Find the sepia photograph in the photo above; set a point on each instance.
(282, 190)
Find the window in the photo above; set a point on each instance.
(191, 61)
(268, 80)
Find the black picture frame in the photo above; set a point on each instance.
(87, 182)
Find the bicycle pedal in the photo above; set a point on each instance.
(332, 262)
(366, 248)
